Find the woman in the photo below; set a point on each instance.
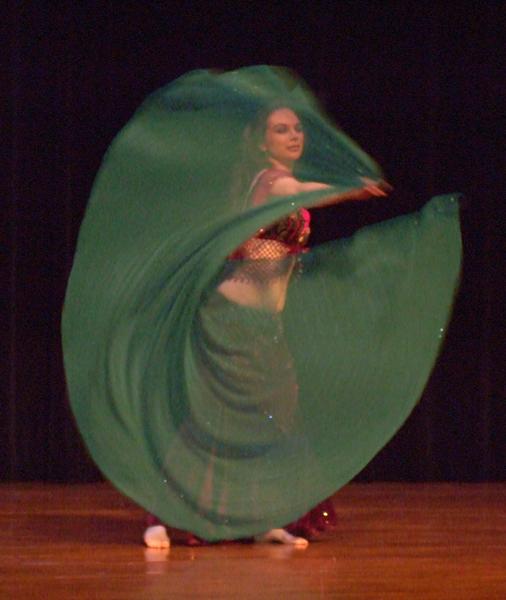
(259, 271)
(219, 397)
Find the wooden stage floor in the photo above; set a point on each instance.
(402, 541)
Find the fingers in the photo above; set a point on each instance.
(376, 188)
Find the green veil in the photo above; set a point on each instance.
(222, 419)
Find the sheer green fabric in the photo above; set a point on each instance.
(222, 419)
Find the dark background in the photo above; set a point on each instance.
(419, 85)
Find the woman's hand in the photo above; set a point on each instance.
(371, 188)
(376, 187)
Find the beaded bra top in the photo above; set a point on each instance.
(292, 231)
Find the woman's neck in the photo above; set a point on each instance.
(276, 164)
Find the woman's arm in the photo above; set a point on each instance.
(287, 186)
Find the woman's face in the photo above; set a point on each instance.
(284, 137)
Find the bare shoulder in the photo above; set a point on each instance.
(273, 182)
(285, 185)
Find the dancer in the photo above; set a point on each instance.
(230, 396)
(258, 272)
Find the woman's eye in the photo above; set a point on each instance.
(281, 129)
(299, 127)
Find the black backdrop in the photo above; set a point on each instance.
(419, 85)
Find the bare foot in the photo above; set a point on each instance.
(280, 536)
(156, 537)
